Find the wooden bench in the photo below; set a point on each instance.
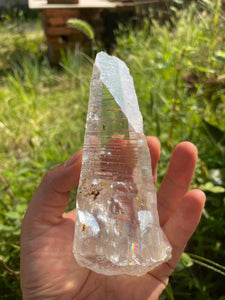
(97, 13)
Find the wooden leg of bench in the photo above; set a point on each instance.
(56, 31)
(54, 49)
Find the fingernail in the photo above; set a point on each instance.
(75, 157)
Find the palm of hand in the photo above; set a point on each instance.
(48, 268)
(62, 278)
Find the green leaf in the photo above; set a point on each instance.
(190, 50)
(210, 187)
(219, 56)
(186, 260)
(7, 228)
(162, 65)
(12, 215)
(205, 70)
(21, 208)
(178, 1)
(169, 291)
(215, 133)
(3, 203)
(217, 176)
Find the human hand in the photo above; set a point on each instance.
(48, 267)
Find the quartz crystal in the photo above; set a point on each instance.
(117, 227)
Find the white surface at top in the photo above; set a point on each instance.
(41, 4)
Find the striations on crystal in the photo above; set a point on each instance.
(117, 227)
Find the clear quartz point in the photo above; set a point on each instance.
(117, 227)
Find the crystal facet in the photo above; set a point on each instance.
(117, 227)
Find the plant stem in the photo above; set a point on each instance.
(16, 273)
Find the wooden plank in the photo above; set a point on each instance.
(57, 21)
(140, 3)
(59, 31)
(60, 12)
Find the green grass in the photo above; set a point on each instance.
(179, 75)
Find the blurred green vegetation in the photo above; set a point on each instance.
(178, 67)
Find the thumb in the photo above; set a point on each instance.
(52, 196)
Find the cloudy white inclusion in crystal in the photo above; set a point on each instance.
(117, 227)
(112, 70)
